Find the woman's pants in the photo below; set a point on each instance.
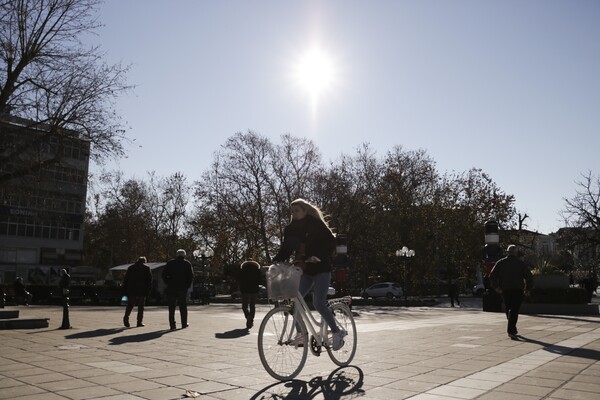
(320, 282)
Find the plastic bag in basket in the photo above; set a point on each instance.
(283, 281)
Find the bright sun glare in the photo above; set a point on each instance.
(315, 71)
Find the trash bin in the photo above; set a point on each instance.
(492, 301)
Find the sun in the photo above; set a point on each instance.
(315, 71)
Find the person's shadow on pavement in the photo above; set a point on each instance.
(140, 337)
(590, 354)
(94, 333)
(232, 334)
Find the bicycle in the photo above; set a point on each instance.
(283, 355)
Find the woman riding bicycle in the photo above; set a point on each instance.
(309, 237)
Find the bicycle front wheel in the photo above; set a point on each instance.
(345, 320)
(282, 356)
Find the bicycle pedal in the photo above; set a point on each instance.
(315, 352)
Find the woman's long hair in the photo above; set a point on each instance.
(311, 209)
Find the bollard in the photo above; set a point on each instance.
(65, 321)
(65, 281)
(2, 298)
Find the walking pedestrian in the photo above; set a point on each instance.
(137, 285)
(453, 293)
(511, 278)
(311, 240)
(65, 282)
(178, 275)
(21, 293)
(249, 280)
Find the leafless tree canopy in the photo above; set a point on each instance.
(49, 77)
(582, 211)
(132, 217)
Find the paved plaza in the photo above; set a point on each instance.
(421, 353)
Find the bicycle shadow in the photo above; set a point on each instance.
(342, 383)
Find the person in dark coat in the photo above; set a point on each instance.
(453, 293)
(511, 278)
(21, 292)
(249, 280)
(137, 285)
(178, 275)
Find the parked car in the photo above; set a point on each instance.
(383, 289)
(478, 289)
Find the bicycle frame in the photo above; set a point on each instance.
(302, 310)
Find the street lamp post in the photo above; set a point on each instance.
(405, 254)
(203, 254)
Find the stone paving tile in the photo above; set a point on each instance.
(59, 366)
(515, 388)
(22, 372)
(458, 392)
(137, 385)
(433, 377)
(122, 396)
(9, 382)
(166, 393)
(386, 393)
(494, 395)
(87, 393)
(455, 372)
(176, 380)
(13, 392)
(409, 385)
(86, 372)
(42, 396)
(541, 382)
(208, 387)
(475, 383)
(429, 396)
(567, 394)
(56, 386)
(538, 373)
(584, 386)
(583, 378)
(10, 365)
(43, 378)
(396, 373)
(110, 378)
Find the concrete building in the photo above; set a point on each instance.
(42, 211)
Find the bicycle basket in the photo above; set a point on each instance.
(283, 281)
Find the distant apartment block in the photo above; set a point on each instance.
(41, 211)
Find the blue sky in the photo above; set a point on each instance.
(511, 87)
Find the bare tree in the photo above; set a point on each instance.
(166, 208)
(54, 84)
(583, 209)
(581, 215)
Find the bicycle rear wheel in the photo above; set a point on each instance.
(345, 321)
(282, 358)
